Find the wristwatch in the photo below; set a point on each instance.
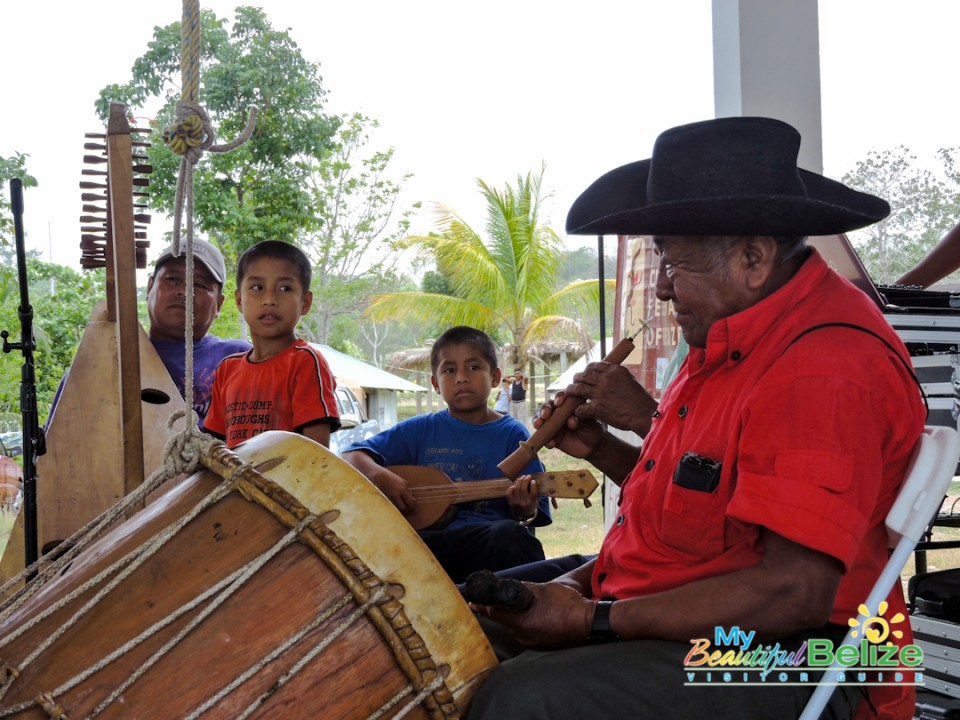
(600, 631)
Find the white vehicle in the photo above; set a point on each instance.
(354, 424)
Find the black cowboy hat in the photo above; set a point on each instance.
(730, 176)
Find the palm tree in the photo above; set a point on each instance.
(504, 284)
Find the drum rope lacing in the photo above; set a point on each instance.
(182, 455)
(126, 566)
(222, 590)
(226, 588)
(377, 596)
(246, 573)
(277, 652)
(153, 629)
(429, 688)
(56, 712)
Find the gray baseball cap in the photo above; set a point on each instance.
(203, 251)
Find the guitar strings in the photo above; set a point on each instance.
(427, 492)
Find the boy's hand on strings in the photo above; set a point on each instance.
(523, 496)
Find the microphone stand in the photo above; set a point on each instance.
(33, 439)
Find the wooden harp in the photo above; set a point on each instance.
(108, 429)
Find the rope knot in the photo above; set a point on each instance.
(180, 139)
(8, 671)
(182, 136)
(184, 449)
(55, 711)
(190, 133)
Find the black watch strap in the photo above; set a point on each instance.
(600, 631)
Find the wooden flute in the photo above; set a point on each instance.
(519, 458)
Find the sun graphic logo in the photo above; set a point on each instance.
(876, 628)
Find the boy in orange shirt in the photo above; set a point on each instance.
(283, 383)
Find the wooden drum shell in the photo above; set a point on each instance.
(427, 627)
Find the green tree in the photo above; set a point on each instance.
(581, 264)
(260, 190)
(375, 340)
(354, 247)
(12, 167)
(951, 209)
(922, 208)
(62, 300)
(505, 284)
(436, 283)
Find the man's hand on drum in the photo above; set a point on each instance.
(523, 496)
(560, 616)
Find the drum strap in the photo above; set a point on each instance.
(907, 366)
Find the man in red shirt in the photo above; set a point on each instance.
(758, 500)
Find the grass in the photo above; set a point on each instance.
(941, 559)
(575, 528)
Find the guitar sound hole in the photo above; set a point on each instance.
(154, 396)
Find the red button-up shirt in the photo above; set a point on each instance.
(814, 438)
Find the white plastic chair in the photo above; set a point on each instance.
(930, 471)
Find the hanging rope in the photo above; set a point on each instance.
(189, 136)
(190, 50)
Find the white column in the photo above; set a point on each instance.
(766, 61)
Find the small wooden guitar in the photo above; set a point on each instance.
(437, 495)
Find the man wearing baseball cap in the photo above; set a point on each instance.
(166, 306)
(751, 521)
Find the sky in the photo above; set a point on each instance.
(483, 90)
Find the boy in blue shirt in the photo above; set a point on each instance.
(466, 441)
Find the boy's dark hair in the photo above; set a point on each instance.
(464, 335)
(281, 251)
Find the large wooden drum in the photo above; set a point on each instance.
(300, 593)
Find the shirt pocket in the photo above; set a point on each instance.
(692, 521)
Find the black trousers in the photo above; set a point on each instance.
(494, 546)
